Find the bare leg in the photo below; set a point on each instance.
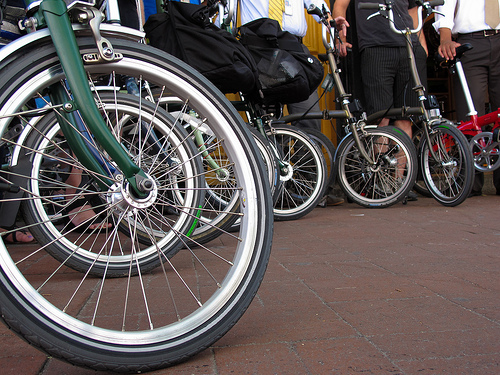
(84, 213)
(404, 125)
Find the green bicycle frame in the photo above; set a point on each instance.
(54, 14)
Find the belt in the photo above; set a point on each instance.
(482, 33)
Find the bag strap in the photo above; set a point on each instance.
(271, 42)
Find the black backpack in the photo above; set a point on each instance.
(287, 72)
(185, 31)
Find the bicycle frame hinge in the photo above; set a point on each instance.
(106, 53)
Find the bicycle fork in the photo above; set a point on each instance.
(55, 15)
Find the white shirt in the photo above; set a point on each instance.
(294, 20)
(469, 17)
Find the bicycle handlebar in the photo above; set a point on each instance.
(435, 3)
(431, 3)
(386, 11)
(314, 10)
(369, 5)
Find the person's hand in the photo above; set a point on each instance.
(447, 49)
(342, 25)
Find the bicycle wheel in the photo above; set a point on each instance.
(161, 150)
(449, 176)
(303, 172)
(485, 152)
(156, 318)
(389, 179)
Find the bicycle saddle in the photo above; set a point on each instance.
(442, 62)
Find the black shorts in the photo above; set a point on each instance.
(386, 76)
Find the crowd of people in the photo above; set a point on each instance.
(385, 69)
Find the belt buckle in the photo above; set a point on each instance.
(488, 33)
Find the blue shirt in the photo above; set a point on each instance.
(150, 6)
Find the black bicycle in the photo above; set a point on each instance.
(445, 159)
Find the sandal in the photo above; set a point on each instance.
(18, 236)
(82, 217)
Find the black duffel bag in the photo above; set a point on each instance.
(185, 31)
(288, 73)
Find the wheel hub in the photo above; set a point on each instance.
(286, 172)
(486, 153)
(223, 174)
(120, 195)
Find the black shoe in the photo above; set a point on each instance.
(330, 200)
(412, 197)
(475, 194)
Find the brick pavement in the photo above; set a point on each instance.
(411, 289)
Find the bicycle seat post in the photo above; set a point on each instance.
(465, 88)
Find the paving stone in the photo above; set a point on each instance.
(410, 289)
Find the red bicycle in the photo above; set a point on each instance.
(479, 130)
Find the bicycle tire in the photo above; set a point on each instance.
(450, 178)
(384, 183)
(419, 186)
(328, 149)
(270, 161)
(304, 176)
(64, 314)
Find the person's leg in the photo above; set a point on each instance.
(404, 125)
(494, 72)
(312, 105)
(309, 105)
(475, 64)
(404, 95)
(377, 75)
(128, 13)
(80, 211)
(496, 181)
(494, 90)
